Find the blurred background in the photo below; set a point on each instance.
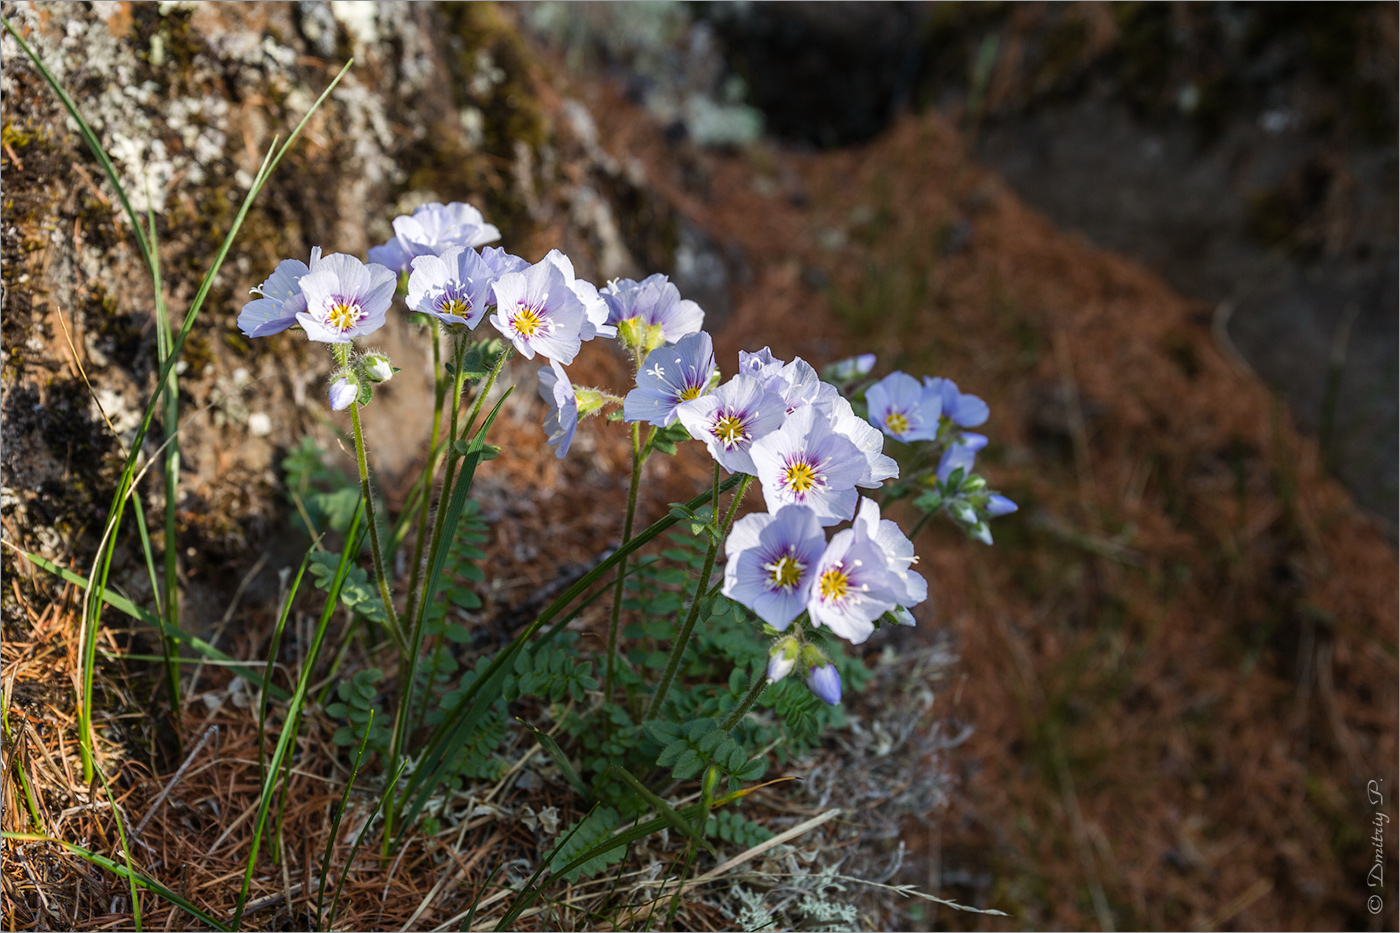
(1159, 239)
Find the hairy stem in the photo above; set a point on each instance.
(637, 461)
(701, 585)
(736, 715)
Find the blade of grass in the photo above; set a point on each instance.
(409, 668)
(121, 871)
(102, 564)
(352, 547)
(354, 849)
(660, 806)
(248, 670)
(566, 768)
(457, 726)
(335, 821)
(171, 417)
(30, 801)
(272, 655)
(126, 852)
(476, 901)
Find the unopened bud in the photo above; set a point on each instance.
(825, 682)
(377, 367)
(343, 391)
(782, 658)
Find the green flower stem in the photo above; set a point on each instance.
(760, 682)
(342, 354)
(408, 664)
(637, 461)
(439, 394)
(701, 585)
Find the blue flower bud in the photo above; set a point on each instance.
(998, 505)
(343, 391)
(825, 683)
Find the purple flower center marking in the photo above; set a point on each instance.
(527, 322)
(344, 313)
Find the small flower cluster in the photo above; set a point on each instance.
(811, 443)
(452, 276)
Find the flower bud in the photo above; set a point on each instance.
(998, 505)
(377, 367)
(636, 334)
(849, 370)
(902, 616)
(782, 658)
(344, 391)
(825, 683)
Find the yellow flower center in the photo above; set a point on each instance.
(456, 306)
(527, 322)
(690, 392)
(833, 585)
(730, 430)
(800, 477)
(785, 571)
(896, 422)
(343, 315)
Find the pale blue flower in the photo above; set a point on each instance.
(806, 462)
(825, 682)
(652, 310)
(904, 409)
(871, 443)
(898, 551)
(670, 376)
(501, 262)
(731, 418)
(854, 585)
(562, 420)
(538, 312)
(960, 454)
(762, 365)
(595, 310)
(770, 559)
(281, 299)
(454, 288)
(799, 385)
(345, 298)
(432, 230)
(966, 411)
(342, 392)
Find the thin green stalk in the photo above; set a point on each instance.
(30, 801)
(736, 715)
(335, 821)
(701, 585)
(485, 690)
(354, 849)
(171, 419)
(126, 853)
(445, 524)
(102, 861)
(342, 352)
(169, 653)
(352, 547)
(439, 394)
(102, 563)
(637, 463)
(272, 650)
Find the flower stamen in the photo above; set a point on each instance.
(730, 430)
(834, 585)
